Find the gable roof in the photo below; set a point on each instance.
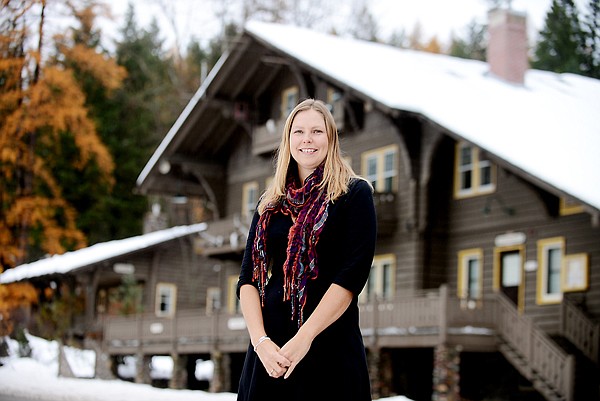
(548, 128)
(71, 261)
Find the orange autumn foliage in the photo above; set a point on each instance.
(12, 297)
(40, 100)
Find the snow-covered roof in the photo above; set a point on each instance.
(69, 261)
(549, 127)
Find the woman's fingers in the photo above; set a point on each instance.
(289, 370)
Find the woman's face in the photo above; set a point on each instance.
(308, 141)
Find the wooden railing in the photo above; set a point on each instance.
(429, 315)
(550, 369)
(266, 138)
(188, 330)
(222, 236)
(580, 330)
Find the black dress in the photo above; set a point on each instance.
(335, 367)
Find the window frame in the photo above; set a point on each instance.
(381, 175)
(543, 246)
(570, 206)
(287, 104)
(376, 283)
(233, 303)
(462, 285)
(475, 167)
(171, 289)
(248, 204)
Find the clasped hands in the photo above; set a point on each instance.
(282, 361)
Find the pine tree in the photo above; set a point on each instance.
(591, 40)
(559, 46)
(99, 80)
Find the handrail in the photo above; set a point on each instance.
(580, 330)
(550, 368)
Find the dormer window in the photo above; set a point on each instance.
(570, 206)
(289, 100)
(249, 199)
(336, 104)
(474, 174)
(379, 166)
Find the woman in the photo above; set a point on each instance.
(309, 253)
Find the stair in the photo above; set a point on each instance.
(587, 378)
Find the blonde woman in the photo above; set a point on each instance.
(308, 256)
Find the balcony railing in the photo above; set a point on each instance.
(387, 212)
(424, 319)
(266, 138)
(223, 236)
(425, 316)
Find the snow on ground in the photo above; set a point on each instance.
(37, 376)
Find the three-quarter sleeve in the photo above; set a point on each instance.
(247, 266)
(359, 235)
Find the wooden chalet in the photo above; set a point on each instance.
(486, 279)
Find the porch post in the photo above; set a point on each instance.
(179, 378)
(446, 373)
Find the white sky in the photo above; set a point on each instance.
(437, 17)
(36, 378)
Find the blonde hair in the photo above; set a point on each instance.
(337, 172)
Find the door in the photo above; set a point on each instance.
(509, 273)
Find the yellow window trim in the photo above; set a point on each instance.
(568, 207)
(292, 90)
(173, 292)
(541, 297)
(246, 188)
(380, 260)
(379, 153)
(475, 189)
(462, 258)
(232, 281)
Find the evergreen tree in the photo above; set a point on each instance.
(132, 123)
(559, 46)
(591, 40)
(100, 208)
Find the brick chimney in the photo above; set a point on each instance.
(507, 47)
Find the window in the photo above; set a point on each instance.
(470, 274)
(381, 282)
(379, 166)
(336, 106)
(166, 297)
(570, 206)
(213, 300)
(289, 100)
(550, 259)
(233, 303)
(249, 198)
(474, 174)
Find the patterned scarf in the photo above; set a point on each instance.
(308, 207)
